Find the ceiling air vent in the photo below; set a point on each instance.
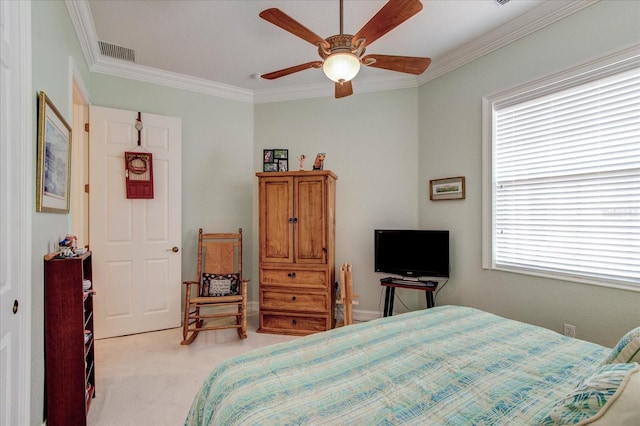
(117, 52)
(502, 2)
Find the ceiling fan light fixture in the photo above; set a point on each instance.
(341, 66)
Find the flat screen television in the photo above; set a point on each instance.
(412, 253)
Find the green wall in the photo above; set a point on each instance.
(217, 156)
(450, 133)
(370, 141)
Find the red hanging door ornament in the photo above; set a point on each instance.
(138, 170)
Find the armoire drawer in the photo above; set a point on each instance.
(292, 324)
(294, 276)
(294, 301)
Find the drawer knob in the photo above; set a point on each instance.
(293, 298)
(291, 274)
(294, 322)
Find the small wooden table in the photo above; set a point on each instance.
(392, 283)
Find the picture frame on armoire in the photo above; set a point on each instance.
(275, 160)
(318, 164)
(53, 177)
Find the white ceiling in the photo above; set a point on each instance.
(216, 46)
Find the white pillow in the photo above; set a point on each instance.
(627, 349)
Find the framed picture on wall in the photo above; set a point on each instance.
(447, 189)
(54, 159)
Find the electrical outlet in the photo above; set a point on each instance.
(570, 330)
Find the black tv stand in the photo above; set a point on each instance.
(391, 283)
(409, 281)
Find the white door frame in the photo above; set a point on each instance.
(18, 164)
(79, 156)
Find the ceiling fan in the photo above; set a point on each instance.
(343, 54)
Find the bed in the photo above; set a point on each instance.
(447, 365)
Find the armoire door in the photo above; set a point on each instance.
(276, 220)
(310, 225)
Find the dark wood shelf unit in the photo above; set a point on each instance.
(69, 358)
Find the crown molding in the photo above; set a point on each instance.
(546, 14)
(151, 75)
(536, 19)
(80, 14)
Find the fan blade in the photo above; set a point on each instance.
(291, 70)
(344, 89)
(408, 64)
(392, 14)
(287, 23)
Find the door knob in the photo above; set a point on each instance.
(174, 249)
(15, 306)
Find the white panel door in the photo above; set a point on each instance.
(15, 213)
(135, 242)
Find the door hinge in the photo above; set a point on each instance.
(86, 127)
(86, 188)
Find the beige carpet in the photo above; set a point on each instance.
(150, 379)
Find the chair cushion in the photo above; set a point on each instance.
(217, 300)
(220, 284)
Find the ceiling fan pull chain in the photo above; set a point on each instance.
(341, 17)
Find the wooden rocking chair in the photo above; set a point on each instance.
(347, 298)
(220, 286)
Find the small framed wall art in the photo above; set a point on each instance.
(452, 188)
(54, 159)
(275, 160)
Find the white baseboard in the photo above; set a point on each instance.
(361, 315)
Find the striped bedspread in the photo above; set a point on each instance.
(448, 365)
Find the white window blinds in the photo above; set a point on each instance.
(566, 176)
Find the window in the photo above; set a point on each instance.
(562, 176)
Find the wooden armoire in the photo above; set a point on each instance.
(297, 251)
